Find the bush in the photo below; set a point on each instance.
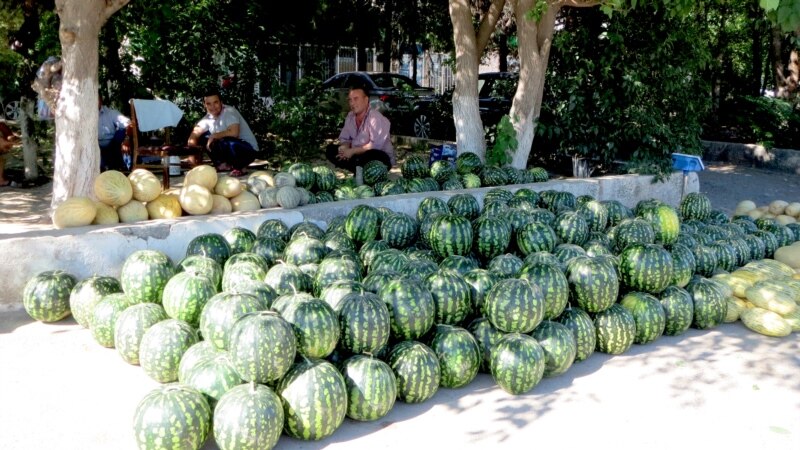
(768, 121)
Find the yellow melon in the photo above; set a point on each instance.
(74, 212)
(106, 215)
(165, 206)
(196, 199)
(204, 175)
(221, 205)
(146, 187)
(228, 187)
(245, 202)
(113, 188)
(133, 211)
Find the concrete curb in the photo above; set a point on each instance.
(100, 250)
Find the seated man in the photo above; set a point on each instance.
(8, 140)
(111, 129)
(226, 136)
(364, 137)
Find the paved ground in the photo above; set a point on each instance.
(723, 388)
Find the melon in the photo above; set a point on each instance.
(288, 197)
(165, 206)
(744, 207)
(133, 211)
(245, 201)
(146, 186)
(113, 188)
(228, 187)
(106, 215)
(220, 205)
(196, 199)
(204, 175)
(74, 212)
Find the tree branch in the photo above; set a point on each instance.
(580, 3)
(488, 24)
(113, 6)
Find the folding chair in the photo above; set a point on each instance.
(162, 114)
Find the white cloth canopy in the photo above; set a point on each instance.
(154, 114)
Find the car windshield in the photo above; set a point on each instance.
(386, 80)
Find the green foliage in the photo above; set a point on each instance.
(634, 95)
(505, 144)
(768, 121)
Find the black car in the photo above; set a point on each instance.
(396, 96)
(495, 94)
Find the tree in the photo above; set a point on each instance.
(77, 155)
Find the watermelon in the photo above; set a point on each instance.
(480, 281)
(104, 317)
(418, 268)
(273, 229)
(471, 181)
(552, 282)
(464, 205)
(559, 346)
(648, 314)
(304, 250)
(364, 322)
(505, 266)
(197, 353)
(239, 239)
(324, 178)
(450, 235)
(416, 369)
(287, 279)
(695, 205)
(303, 174)
(442, 170)
(415, 166)
(362, 223)
(514, 306)
(459, 355)
(571, 228)
(222, 311)
(565, 252)
(399, 230)
(705, 260)
(171, 414)
(582, 327)
(683, 265)
(162, 348)
(468, 162)
(242, 273)
(411, 307)
(596, 215)
(202, 265)
(315, 325)
(710, 304)
(212, 245)
(213, 377)
(248, 416)
(616, 330)
(87, 293)
(314, 397)
(185, 296)
(371, 387)
(645, 267)
(726, 255)
(539, 174)
(517, 363)
(678, 310)
(271, 249)
(130, 327)
(392, 260)
(262, 347)
(593, 283)
(491, 236)
(144, 275)
(616, 212)
(632, 231)
(536, 237)
(451, 296)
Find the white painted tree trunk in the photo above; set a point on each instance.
(77, 155)
(30, 149)
(466, 115)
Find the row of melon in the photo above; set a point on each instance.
(780, 210)
(765, 296)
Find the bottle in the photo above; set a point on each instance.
(126, 160)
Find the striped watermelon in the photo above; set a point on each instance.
(213, 377)
(202, 265)
(491, 236)
(271, 249)
(222, 311)
(683, 265)
(130, 326)
(536, 237)
(419, 268)
(632, 231)
(399, 230)
(46, 296)
(362, 224)
(375, 171)
(451, 235)
(87, 293)
(539, 174)
(464, 205)
(665, 222)
(169, 414)
(468, 162)
(364, 322)
(212, 245)
(370, 250)
(678, 310)
(487, 337)
(459, 264)
(442, 170)
(505, 266)
(415, 166)
(104, 317)
(315, 325)
(705, 260)
(582, 327)
(339, 240)
(430, 205)
(371, 387)
(514, 306)
(304, 250)
(162, 348)
(243, 272)
(411, 308)
(306, 228)
(248, 416)
(451, 296)
(616, 212)
(240, 239)
(273, 229)
(645, 267)
(471, 181)
(480, 281)
(616, 330)
(197, 353)
(596, 215)
(517, 363)
(695, 206)
(262, 347)
(314, 398)
(726, 255)
(144, 275)
(287, 279)
(559, 346)
(416, 369)
(324, 178)
(392, 260)
(571, 228)
(648, 314)
(459, 355)
(303, 174)
(185, 296)
(565, 252)
(552, 282)
(593, 283)
(501, 195)
(710, 304)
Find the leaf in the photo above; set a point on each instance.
(769, 5)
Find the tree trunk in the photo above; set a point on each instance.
(30, 148)
(535, 40)
(468, 47)
(77, 155)
(502, 52)
(756, 48)
(777, 62)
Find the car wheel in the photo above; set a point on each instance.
(12, 110)
(422, 126)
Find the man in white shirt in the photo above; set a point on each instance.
(226, 136)
(111, 130)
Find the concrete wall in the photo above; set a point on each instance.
(102, 250)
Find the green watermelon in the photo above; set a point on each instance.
(514, 306)
(130, 327)
(162, 348)
(213, 245)
(442, 170)
(552, 282)
(202, 265)
(240, 239)
(678, 310)
(144, 275)
(683, 265)
(399, 230)
(459, 355)
(262, 347)
(491, 236)
(710, 304)
(593, 283)
(505, 266)
(87, 293)
(197, 353)
(695, 206)
(303, 174)
(471, 181)
(571, 228)
(645, 267)
(271, 249)
(314, 397)
(596, 215)
(171, 414)
(616, 330)
(468, 162)
(616, 212)
(648, 314)
(415, 166)
(559, 346)
(451, 235)
(411, 307)
(287, 279)
(536, 237)
(364, 322)
(185, 295)
(632, 231)
(362, 224)
(304, 250)
(315, 325)
(451, 296)
(104, 317)
(273, 229)
(222, 311)
(324, 178)
(371, 387)
(582, 327)
(213, 377)
(248, 416)
(539, 174)
(517, 363)
(416, 369)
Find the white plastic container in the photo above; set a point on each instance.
(174, 165)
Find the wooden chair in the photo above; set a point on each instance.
(150, 148)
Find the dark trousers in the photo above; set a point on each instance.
(231, 151)
(332, 152)
(111, 153)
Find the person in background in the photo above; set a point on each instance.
(8, 140)
(226, 136)
(365, 136)
(112, 127)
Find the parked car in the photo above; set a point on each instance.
(495, 94)
(396, 96)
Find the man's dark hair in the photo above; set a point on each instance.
(211, 92)
(363, 88)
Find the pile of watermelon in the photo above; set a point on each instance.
(291, 329)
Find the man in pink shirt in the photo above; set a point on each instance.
(364, 137)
